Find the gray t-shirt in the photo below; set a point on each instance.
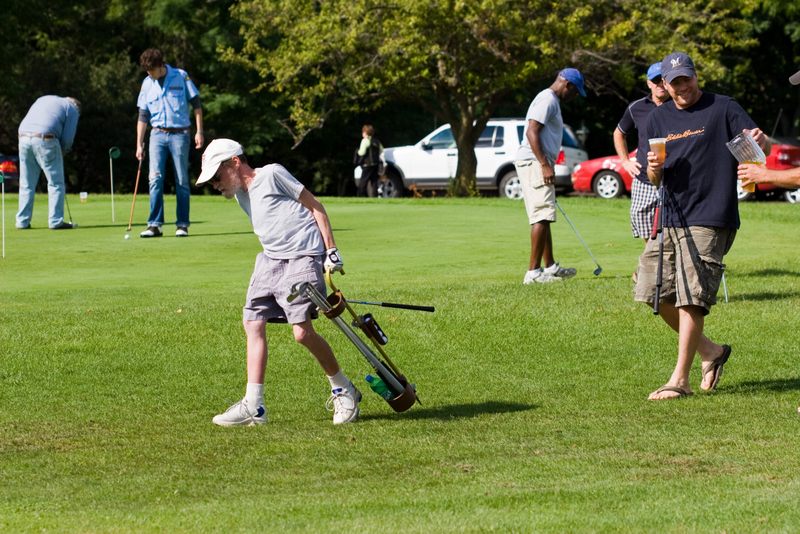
(286, 228)
(544, 109)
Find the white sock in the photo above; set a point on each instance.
(553, 268)
(254, 395)
(535, 271)
(339, 380)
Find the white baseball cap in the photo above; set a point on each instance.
(218, 151)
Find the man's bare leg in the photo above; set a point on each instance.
(708, 350)
(690, 332)
(541, 245)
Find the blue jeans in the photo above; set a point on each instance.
(176, 144)
(37, 154)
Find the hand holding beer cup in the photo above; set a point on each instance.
(658, 146)
(745, 149)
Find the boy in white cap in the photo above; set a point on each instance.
(296, 235)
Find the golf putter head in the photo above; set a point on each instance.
(598, 271)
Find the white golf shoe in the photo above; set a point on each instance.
(538, 276)
(345, 404)
(561, 273)
(241, 414)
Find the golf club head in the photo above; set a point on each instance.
(598, 271)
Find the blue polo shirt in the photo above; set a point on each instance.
(168, 106)
(53, 115)
(635, 118)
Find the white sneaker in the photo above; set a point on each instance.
(537, 277)
(182, 232)
(152, 231)
(561, 273)
(345, 404)
(242, 414)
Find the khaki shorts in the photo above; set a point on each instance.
(540, 198)
(692, 267)
(271, 283)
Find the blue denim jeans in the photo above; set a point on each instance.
(37, 154)
(176, 144)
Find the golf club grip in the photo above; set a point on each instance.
(654, 233)
(408, 307)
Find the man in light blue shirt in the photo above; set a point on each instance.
(167, 98)
(45, 135)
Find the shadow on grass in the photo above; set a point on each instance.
(768, 296)
(457, 411)
(778, 385)
(769, 272)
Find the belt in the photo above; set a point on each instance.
(171, 130)
(46, 137)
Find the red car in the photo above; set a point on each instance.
(606, 177)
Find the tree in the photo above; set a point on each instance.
(460, 59)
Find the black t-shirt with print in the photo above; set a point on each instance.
(700, 172)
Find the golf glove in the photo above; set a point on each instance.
(333, 261)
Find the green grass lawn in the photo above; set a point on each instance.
(115, 354)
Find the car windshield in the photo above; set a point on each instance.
(443, 139)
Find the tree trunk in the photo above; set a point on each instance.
(466, 136)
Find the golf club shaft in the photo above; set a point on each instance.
(660, 220)
(68, 210)
(135, 188)
(392, 305)
(577, 234)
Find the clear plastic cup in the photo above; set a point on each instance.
(745, 149)
(659, 146)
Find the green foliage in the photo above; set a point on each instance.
(534, 414)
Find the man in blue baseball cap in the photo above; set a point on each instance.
(644, 195)
(535, 162)
(700, 216)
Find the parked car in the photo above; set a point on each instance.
(606, 177)
(9, 165)
(431, 163)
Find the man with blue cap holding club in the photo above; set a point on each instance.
(644, 195)
(535, 163)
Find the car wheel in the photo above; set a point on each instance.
(792, 197)
(608, 184)
(510, 186)
(743, 195)
(391, 187)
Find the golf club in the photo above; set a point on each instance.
(725, 287)
(660, 230)
(66, 201)
(135, 188)
(599, 269)
(392, 305)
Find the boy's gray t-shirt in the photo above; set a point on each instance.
(545, 109)
(286, 228)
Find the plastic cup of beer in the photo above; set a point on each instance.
(745, 149)
(84, 196)
(659, 146)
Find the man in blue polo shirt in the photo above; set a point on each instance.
(644, 195)
(45, 135)
(166, 100)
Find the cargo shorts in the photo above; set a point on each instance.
(271, 284)
(692, 266)
(540, 198)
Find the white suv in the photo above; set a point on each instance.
(431, 163)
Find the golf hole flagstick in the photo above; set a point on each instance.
(332, 307)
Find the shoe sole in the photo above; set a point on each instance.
(253, 422)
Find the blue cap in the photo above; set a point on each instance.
(677, 64)
(654, 71)
(574, 76)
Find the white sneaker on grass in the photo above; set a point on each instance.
(537, 276)
(345, 404)
(241, 414)
(561, 273)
